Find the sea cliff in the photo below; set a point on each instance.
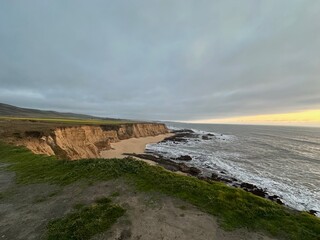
(78, 142)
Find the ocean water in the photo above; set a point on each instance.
(283, 160)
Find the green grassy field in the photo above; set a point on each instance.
(67, 120)
(234, 208)
(13, 128)
(14, 111)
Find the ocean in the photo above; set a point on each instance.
(285, 161)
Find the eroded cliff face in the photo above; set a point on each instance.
(87, 141)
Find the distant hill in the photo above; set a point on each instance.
(7, 110)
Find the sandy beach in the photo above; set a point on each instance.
(132, 145)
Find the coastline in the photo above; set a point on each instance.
(254, 214)
(132, 146)
(181, 165)
(135, 148)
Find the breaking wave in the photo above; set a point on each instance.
(266, 158)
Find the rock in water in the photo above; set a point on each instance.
(205, 137)
(184, 158)
(313, 212)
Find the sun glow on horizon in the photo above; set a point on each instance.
(307, 118)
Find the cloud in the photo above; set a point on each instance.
(181, 60)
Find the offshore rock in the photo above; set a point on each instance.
(313, 212)
(184, 158)
(208, 136)
(181, 136)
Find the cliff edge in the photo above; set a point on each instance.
(76, 142)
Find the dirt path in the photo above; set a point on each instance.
(26, 209)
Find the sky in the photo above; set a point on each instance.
(194, 61)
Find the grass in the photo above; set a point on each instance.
(115, 194)
(234, 208)
(85, 221)
(68, 120)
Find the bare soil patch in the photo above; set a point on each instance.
(25, 211)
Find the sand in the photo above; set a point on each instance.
(132, 145)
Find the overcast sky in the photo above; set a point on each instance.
(164, 60)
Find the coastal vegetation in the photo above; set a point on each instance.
(13, 128)
(13, 112)
(234, 208)
(67, 120)
(86, 221)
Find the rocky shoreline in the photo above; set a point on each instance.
(179, 164)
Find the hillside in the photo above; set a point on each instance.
(51, 133)
(13, 111)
